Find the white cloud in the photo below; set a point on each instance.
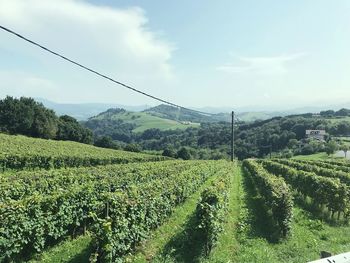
(19, 84)
(116, 41)
(275, 65)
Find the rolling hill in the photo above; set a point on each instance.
(139, 121)
(172, 113)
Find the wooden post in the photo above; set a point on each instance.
(232, 137)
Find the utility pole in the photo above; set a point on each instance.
(270, 151)
(232, 137)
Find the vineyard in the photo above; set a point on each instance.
(24, 153)
(54, 208)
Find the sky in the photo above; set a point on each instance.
(198, 53)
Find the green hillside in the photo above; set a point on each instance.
(141, 121)
(173, 113)
(21, 152)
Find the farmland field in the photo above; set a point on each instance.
(279, 210)
(21, 152)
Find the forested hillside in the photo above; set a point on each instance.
(285, 135)
(163, 129)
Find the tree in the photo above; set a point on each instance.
(28, 117)
(345, 148)
(331, 147)
(292, 143)
(44, 124)
(70, 129)
(327, 113)
(105, 142)
(184, 154)
(169, 152)
(133, 147)
(342, 112)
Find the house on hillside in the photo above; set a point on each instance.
(316, 134)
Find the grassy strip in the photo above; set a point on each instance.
(175, 225)
(226, 247)
(72, 251)
(309, 237)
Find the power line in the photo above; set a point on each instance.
(100, 74)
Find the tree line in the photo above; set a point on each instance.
(28, 117)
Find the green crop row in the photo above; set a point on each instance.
(20, 152)
(132, 204)
(25, 183)
(325, 164)
(212, 208)
(318, 169)
(276, 194)
(132, 213)
(323, 190)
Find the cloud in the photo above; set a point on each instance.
(274, 65)
(116, 41)
(19, 84)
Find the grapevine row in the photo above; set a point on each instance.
(275, 193)
(212, 208)
(314, 168)
(20, 153)
(25, 183)
(323, 190)
(119, 214)
(329, 165)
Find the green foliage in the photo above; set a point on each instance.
(133, 212)
(20, 152)
(184, 154)
(105, 142)
(133, 147)
(169, 152)
(212, 208)
(53, 204)
(323, 190)
(331, 147)
(326, 169)
(276, 194)
(28, 117)
(69, 129)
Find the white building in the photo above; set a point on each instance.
(317, 134)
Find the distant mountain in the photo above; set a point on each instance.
(83, 111)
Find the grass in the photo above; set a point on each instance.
(176, 240)
(226, 247)
(316, 156)
(246, 236)
(179, 241)
(73, 251)
(310, 235)
(339, 119)
(146, 121)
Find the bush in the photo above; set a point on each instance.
(184, 154)
(133, 147)
(169, 153)
(212, 208)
